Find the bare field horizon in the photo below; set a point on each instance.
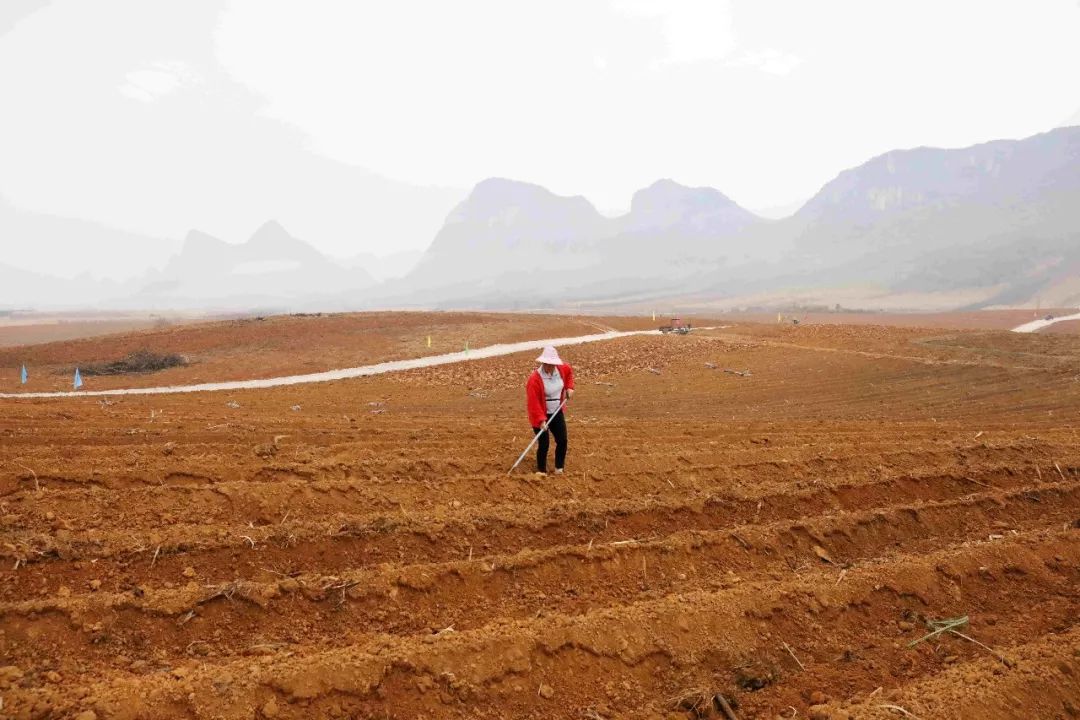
(250, 347)
(40, 327)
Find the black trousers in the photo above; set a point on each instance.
(556, 427)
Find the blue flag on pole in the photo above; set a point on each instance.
(78, 379)
(23, 375)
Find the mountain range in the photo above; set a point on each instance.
(988, 225)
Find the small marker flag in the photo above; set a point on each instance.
(23, 376)
(466, 346)
(78, 379)
(429, 341)
(654, 316)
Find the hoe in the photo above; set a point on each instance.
(535, 438)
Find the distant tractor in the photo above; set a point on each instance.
(676, 326)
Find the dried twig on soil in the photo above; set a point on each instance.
(153, 560)
(37, 485)
(900, 710)
(1058, 468)
(740, 373)
(258, 649)
(940, 626)
(654, 371)
(702, 702)
(344, 586)
(977, 482)
(949, 625)
(226, 591)
(995, 653)
(724, 707)
(792, 654)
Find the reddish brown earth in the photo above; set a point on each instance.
(261, 347)
(777, 538)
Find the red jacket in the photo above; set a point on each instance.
(535, 402)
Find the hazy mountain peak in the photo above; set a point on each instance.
(668, 204)
(197, 240)
(934, 177)
(498, 196)
(271, 236)
(666, 194)
(501, 223)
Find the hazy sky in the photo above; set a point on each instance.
(157, 117)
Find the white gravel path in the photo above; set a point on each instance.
(1037, 325)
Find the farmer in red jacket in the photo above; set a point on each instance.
(547, 388)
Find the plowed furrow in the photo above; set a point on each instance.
(298, 495)
(644, 654)
(447, 533)
(768, 459)
(234, 617)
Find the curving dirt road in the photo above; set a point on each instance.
(1037, 325)
(347, 373)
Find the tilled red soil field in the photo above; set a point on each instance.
(771, 544)
(262, 347)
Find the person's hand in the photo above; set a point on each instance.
(570, 393)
